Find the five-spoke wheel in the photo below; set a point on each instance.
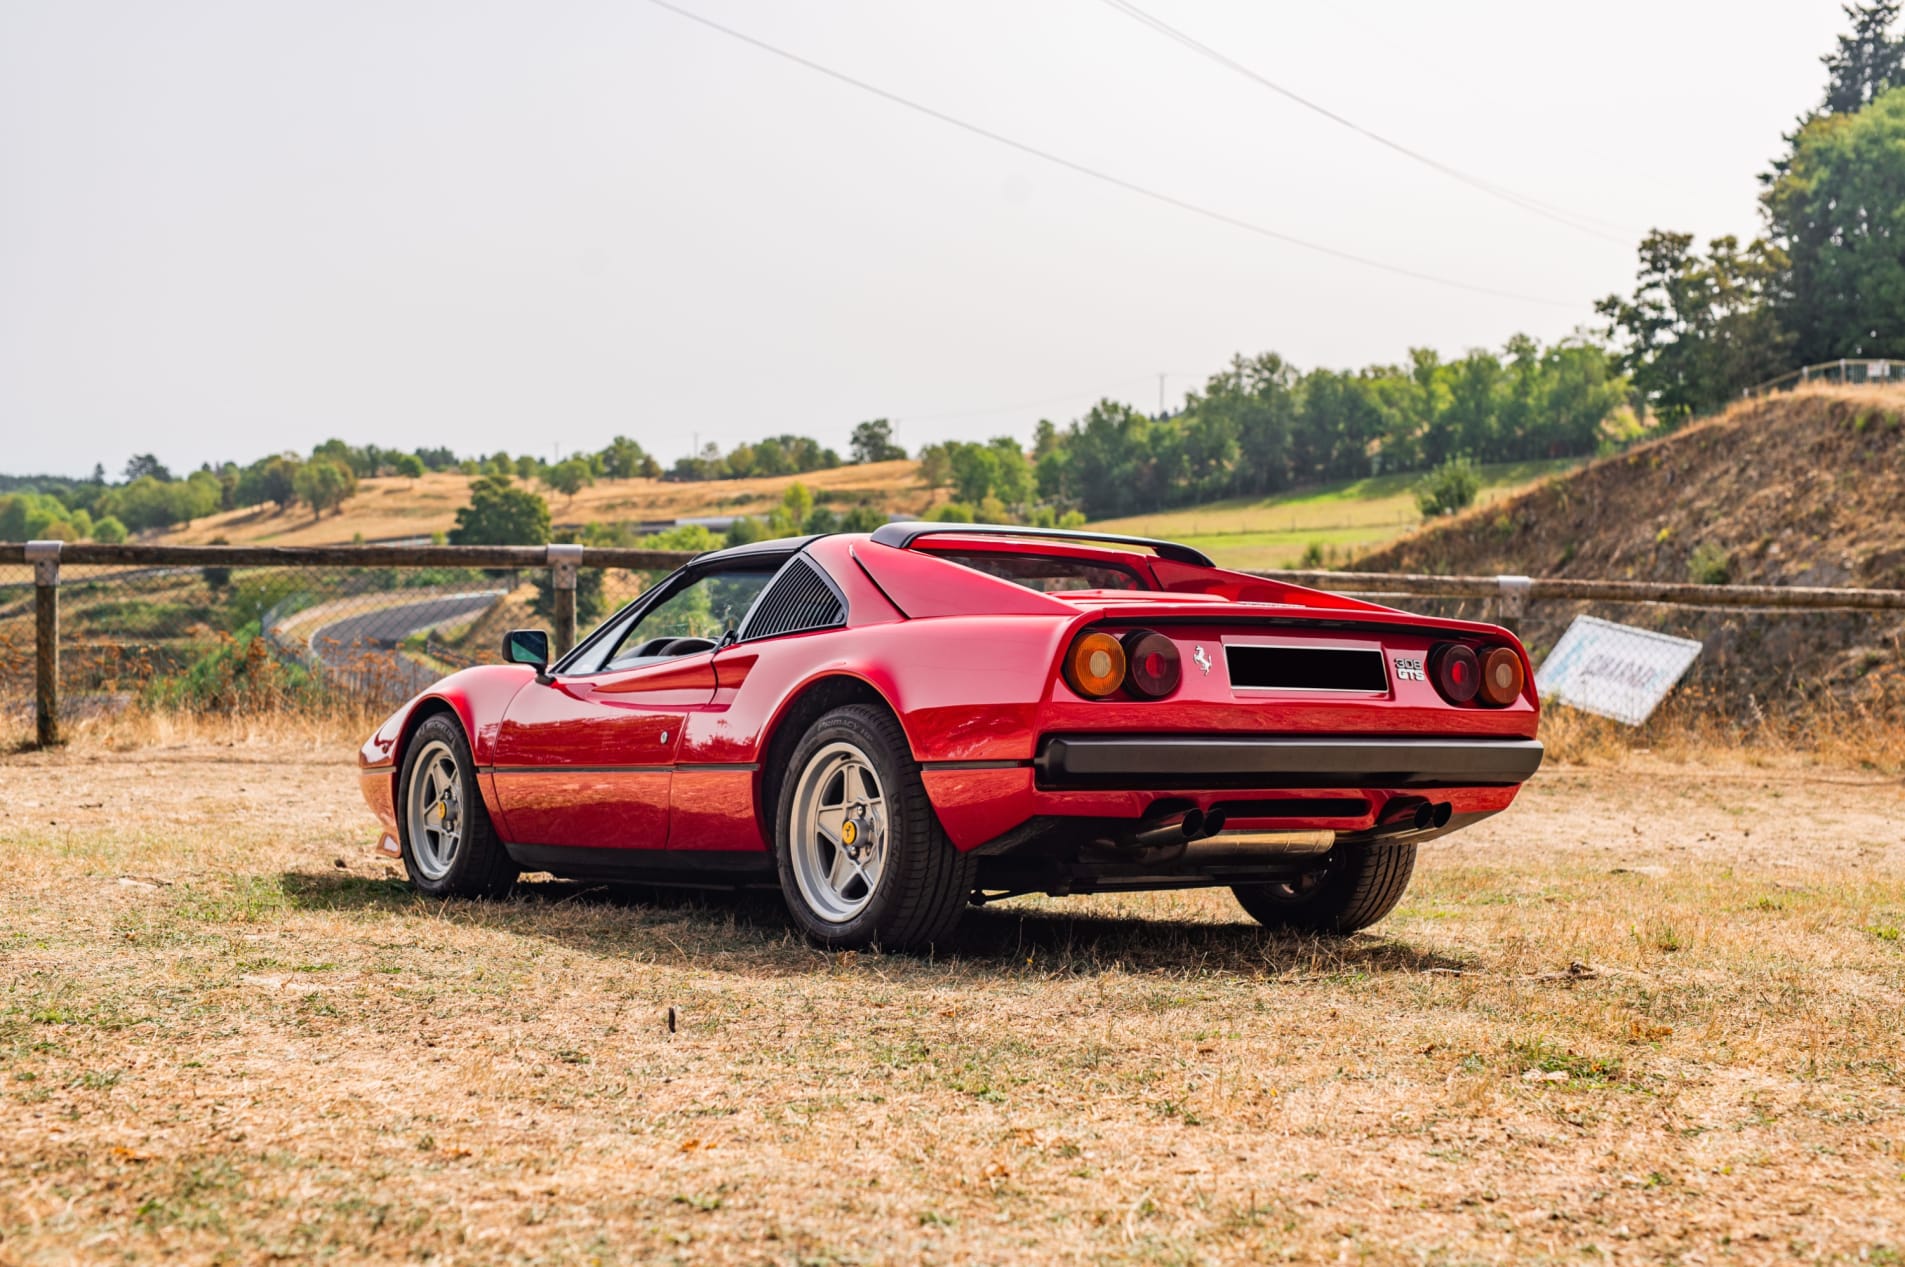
(862, 858)
(449, 847)
(838, 832)
(434, 809)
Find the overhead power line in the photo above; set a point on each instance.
(1117, 181)
(1573, 220)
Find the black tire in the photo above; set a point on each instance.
(1357, 887)
(479, 866)
(924, 883)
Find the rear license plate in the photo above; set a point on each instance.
(1261, 668)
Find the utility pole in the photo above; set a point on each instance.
(1160, 395)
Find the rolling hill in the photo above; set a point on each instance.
(1341, 519)
(391, 507)
(1806, 488)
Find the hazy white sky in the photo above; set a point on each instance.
(232, 228)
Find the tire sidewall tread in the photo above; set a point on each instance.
(1359, 888)
(483, 867)
(927, 881)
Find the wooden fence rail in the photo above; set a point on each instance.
(1510, 593)
(1536, 589)
(91, 552)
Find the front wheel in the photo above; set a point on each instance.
(450, 848)
(1355, 888)
(863, 860)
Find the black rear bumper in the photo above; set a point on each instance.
(1151, 761)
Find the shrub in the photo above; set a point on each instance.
(1710, 565)
(1449, 488)
(238, 675)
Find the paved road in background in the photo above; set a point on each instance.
(360, 649)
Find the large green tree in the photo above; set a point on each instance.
(1869, 59)
(325, 484)
(1699, 329)
(623, 459)
(500, 514)
(873, 442)
(1838, 211)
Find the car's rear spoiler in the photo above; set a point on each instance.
(902, 535)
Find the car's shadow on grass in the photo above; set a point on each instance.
(748, 931)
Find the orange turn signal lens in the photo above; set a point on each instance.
(1502, 677)
(1094, 667)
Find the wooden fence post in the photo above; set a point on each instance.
(45, 558)
(1511, 603)
(563, 560)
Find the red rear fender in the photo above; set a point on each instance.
(965, 688)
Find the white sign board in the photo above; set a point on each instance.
(1614, 670)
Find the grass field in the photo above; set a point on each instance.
(1344, 520)
(1651, 1014)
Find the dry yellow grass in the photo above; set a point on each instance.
(391, 507)
(229, 1033)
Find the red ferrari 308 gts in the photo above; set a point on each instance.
(896, 724)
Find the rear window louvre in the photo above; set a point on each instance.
(799, 599)
(1261, 668)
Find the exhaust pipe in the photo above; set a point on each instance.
(1159, 837)
(1247, 847)
(1411, 817)
(1171, 829)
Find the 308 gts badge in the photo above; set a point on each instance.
(1201, 658)
(1409, 670)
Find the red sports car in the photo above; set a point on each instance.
(898, 724)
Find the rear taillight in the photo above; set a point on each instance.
(1095, 666)
(1155, 667)
(1502, 677)
(1144, 664)
(1456, 672)
(1493, 677)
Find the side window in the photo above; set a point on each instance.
(694, 617)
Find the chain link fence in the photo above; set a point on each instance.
(237, 629)
(236, 636)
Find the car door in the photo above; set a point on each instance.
(585, 760)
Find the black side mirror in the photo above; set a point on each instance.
(528, 646)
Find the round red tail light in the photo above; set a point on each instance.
(1502, 677)
(1095, 665)
(1155, 666)
(1457, 672)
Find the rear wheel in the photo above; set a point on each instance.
(450, 848)
(862, 858)
(1352, 890)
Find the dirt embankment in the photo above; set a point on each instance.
(1799, 489)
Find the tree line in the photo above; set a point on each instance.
(1260, 426)
(150, 497)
